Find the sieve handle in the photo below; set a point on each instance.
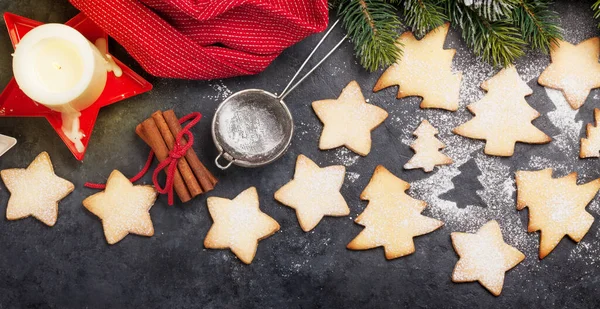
(222, 155)
(289, 88)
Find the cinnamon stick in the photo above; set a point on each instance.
(184, 168)
(149, 132)
(205, 177)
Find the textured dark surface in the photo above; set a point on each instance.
(70, 264)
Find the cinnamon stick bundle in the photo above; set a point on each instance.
(191, 177)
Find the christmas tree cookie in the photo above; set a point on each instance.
(556, 206)
(427, 149)
(590, 145)
(574, 70)
(502, 116)
(348, 121)
(425, 70)
(314, 192)
(392, 218)
(238, 224)
(123, 208)
(484, 257)
(35, 190)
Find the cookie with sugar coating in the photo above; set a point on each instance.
(392, 218)
(484, 257)
(314, 192)
(348, 120)
(35, 190)
(123, 208)
(425, 70)
(574, 70)
(557, 206)
(238, 224)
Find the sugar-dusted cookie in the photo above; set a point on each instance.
(556, 206)
(348, 121)
(35, 190)
(314, 192)
(123, 208)
(238, 224)
(590, 145)
(502, 116)
(427, 149)
(484, 257)
(425, 70)
(574, 70)
(392, 218)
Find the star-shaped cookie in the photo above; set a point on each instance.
(238, 224)
(556, 206)
(392, 218)
(484, 257)
(348, 121)
(123, 208)
(425, 70)
(574, 70)
(35, 190)
(314, 192)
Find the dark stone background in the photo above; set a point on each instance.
(70, 264)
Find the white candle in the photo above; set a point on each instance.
(58, 67)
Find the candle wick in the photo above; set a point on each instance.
(56, 65)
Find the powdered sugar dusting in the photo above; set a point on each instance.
(564, 119)
(345, 156)
(222, 92)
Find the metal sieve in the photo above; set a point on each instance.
(254, 127)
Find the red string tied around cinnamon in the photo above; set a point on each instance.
(175, 155)
(185, 174)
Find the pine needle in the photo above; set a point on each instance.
(373, 27)
(498, 43)
(538, 24)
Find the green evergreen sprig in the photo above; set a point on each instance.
(373, 27)
(596, 9)
(422, 15)
(499, 31)
(496, 42)
(538, 24)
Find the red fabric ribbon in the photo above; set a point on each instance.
(170, 163)
(206, 39)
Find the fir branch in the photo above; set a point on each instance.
(596, 9)
(538, 24)
(496, 42)
(491, 10)
(423, 15)
(373, 27)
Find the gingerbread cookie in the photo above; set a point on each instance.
(425, 70)
(484, 257)
(590, 145)
(426, 147)
(123, 208)
(502, 116)
(314, 192)
(392, 218)
(35, 190)
(556, 206)
(238, 224)
(574, 70)
(348, 121)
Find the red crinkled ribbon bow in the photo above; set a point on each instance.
(170, 163)
(206, 39)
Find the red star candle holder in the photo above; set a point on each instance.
(14, 103)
